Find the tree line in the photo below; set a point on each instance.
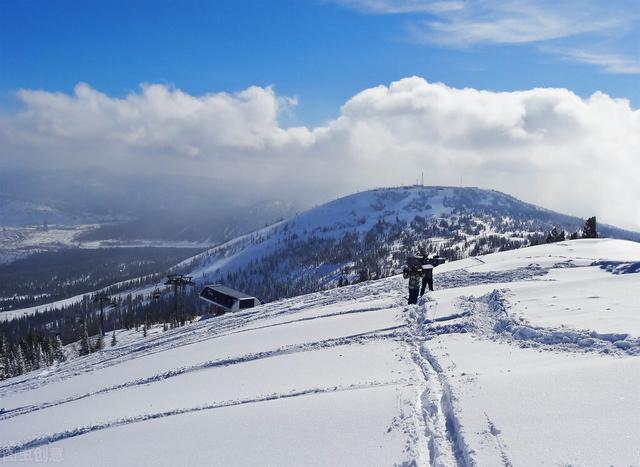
(33, 351)
(589, 230)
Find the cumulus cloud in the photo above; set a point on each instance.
(546, 146)
(158, 119)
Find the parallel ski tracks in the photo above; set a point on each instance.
(362, 338)
(170, 340)
(445, 441)
(7, 451)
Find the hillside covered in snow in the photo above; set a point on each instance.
(525, 357)
(370, 234)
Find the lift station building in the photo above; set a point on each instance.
(226, 299)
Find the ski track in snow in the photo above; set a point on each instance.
(495, 433)
(202, 331)
(447, 445)
(441, 448)
(7, 451)
(379, 334)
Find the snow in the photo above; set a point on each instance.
(273, 432)
(355, 213)
(19, 242)
(526, 357)
(19, 213)
(541, 408)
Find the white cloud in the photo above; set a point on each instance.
(513, 23)
(609, 62)
(547, 146)
(159, 118)
(403, 6)
(541, 22)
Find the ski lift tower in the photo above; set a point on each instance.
(102, 298)
(155, 297)
(178, 282)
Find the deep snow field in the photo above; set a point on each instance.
(527, 357)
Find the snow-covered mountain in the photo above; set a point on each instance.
(21, 213)
(369, 234)
(525, 357)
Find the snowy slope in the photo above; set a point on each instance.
(526, 357)
(374, 231)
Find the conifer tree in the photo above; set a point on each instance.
(589, 230)
(5, 358)
(20, 366)
(99, 342)
(85, 343)
(57, 350)
(38, 360)
(555, 236)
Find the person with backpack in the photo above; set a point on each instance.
(419, 271)
(413, 272)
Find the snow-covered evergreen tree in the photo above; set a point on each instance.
(99, 345)
(38, 360)
(19, 363)
(57, 350)
(5, 359)
(555, 236)
(85, 343)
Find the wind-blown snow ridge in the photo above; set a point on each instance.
(619, 267)
(488, 314)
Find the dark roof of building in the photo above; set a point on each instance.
(228, 291)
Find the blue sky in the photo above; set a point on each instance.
(321, 52)
(204, 88)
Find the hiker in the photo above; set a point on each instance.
(413, 273)
(427, 278)
(419, 269)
